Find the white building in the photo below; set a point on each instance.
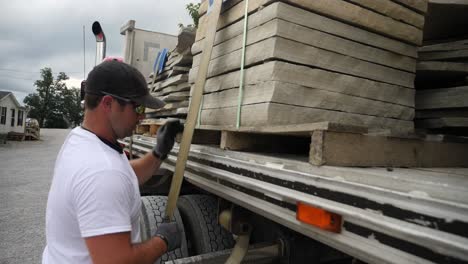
(12, 114)
(142, 46)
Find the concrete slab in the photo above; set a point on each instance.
(291, 94)
(278, 114)
(277, 48)
(313, 78)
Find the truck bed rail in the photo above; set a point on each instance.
(389, 215)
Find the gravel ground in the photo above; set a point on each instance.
(25, 176)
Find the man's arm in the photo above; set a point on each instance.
(145, 167)
(148, 164)
(117, 248)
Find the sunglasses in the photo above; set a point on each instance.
(139, 109)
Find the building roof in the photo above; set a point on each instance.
(4, 94)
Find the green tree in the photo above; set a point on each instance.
(54, 105)
(193, 12)
(71, 106)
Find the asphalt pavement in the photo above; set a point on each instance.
(25, 175)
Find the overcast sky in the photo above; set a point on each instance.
(47, 33)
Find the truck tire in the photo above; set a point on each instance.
(204, 233)
(152, 215)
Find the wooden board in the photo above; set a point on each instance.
(16, 136)
(149, 129)
(393, 10)
(141, 129)
(263, 143)
(314, 21)
(197, 96)
(27, 136)
(296, 129)
(291, 94)
(456, 97)
(347, 149)
(315, 38)
(336, 9)
(443, 122)
(283, 49)
(314, 78)
(271, 114)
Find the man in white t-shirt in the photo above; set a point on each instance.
(94, 202)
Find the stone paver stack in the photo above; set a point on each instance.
(442, 71)
(171, 84)
(350, 62)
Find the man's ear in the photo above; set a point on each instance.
(106, 102)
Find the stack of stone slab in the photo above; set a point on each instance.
(442, 71)
(171, 85)
(349, 62)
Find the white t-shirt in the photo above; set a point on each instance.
(94, 192)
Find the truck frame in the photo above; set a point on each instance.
(388, 215)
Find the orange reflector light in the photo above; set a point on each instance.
(318, 217)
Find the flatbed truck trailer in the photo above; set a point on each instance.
(290, 211)
(375, 215)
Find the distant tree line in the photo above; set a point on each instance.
(53, 104)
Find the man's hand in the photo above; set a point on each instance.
(166, 137)
(170, 234)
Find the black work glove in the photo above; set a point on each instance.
(165, 138)
(170, 234)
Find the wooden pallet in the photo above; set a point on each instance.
(16, 136)
(149, 127)
(337, 145)
(32, 133)
(29, 136)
